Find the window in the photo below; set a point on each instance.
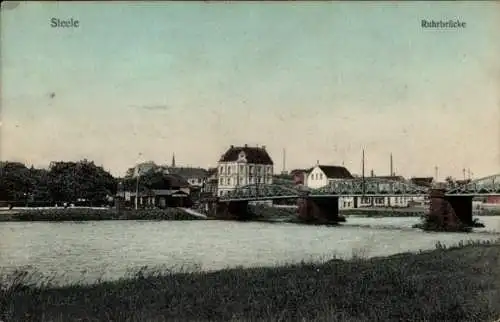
(251, 169)
(221, 181)
(251, 179)
(228, 181)
(269, 169)
(221, 169)
(321, 176)
(242, 169)
(221, 193)
(228, 170)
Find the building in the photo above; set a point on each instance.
(210, 187)
(240, 166)
(322, 175)
(300, 175)
(389, 201)
(422, 181)
(170, 191)
(196, 177)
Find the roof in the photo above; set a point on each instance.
(392, 178)
(170, 181)
(211, 172)
(335, 172)
(295, 171)
(188, 172)
(422, 181)
(255, 155)
(165, 192)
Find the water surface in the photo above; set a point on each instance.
(86, 251)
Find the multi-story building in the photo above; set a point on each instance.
(210, 187)
(240, 166)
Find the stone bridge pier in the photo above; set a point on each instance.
(318, 209)
(232, 210)
(450, 211)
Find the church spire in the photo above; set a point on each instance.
(173, 160)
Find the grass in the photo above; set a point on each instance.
(460, 283)
(85, 214)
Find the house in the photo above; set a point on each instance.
(243, 165)
(322, 175)
(422, 181)
(210, 187)
(300, 175)
(389, 201)
(196, 177)
(171, 191)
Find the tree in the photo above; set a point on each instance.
(450, 182)
(70, 181)
(15, 181)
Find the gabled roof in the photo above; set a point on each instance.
(255, 155)
(298, 171)
(335, 172)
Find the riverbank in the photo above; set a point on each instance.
(89, 214)
(458, 284)
(403, 212)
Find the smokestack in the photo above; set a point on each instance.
(436, 173)
(363, 164)
(284, 160)
(392, 168)
(372, 173)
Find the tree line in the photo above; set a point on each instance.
(70, 182)
(81, 182)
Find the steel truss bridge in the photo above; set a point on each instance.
(358, 187)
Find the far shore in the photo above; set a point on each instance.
(261, 213)
(93, 214)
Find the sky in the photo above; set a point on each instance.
(139, 81)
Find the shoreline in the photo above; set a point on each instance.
(88, 214)
(443, 284)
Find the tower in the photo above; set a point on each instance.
(173, 160)
(392, 168)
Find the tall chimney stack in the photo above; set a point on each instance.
(284, 161)
(392, 168)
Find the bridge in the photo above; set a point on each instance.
(323, 202)
(369, 187)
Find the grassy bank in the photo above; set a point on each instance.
(459, 284)
(85, 214)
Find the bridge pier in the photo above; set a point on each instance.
(462, 205)
(449, 212)
(355, 202)
(318, 209)
(232, 210)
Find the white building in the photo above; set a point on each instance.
(240, 166)
(322, 175)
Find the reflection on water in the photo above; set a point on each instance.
(110, 249)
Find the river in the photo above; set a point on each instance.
(88, 251)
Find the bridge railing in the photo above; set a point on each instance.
(371, 186)
(482, 186)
